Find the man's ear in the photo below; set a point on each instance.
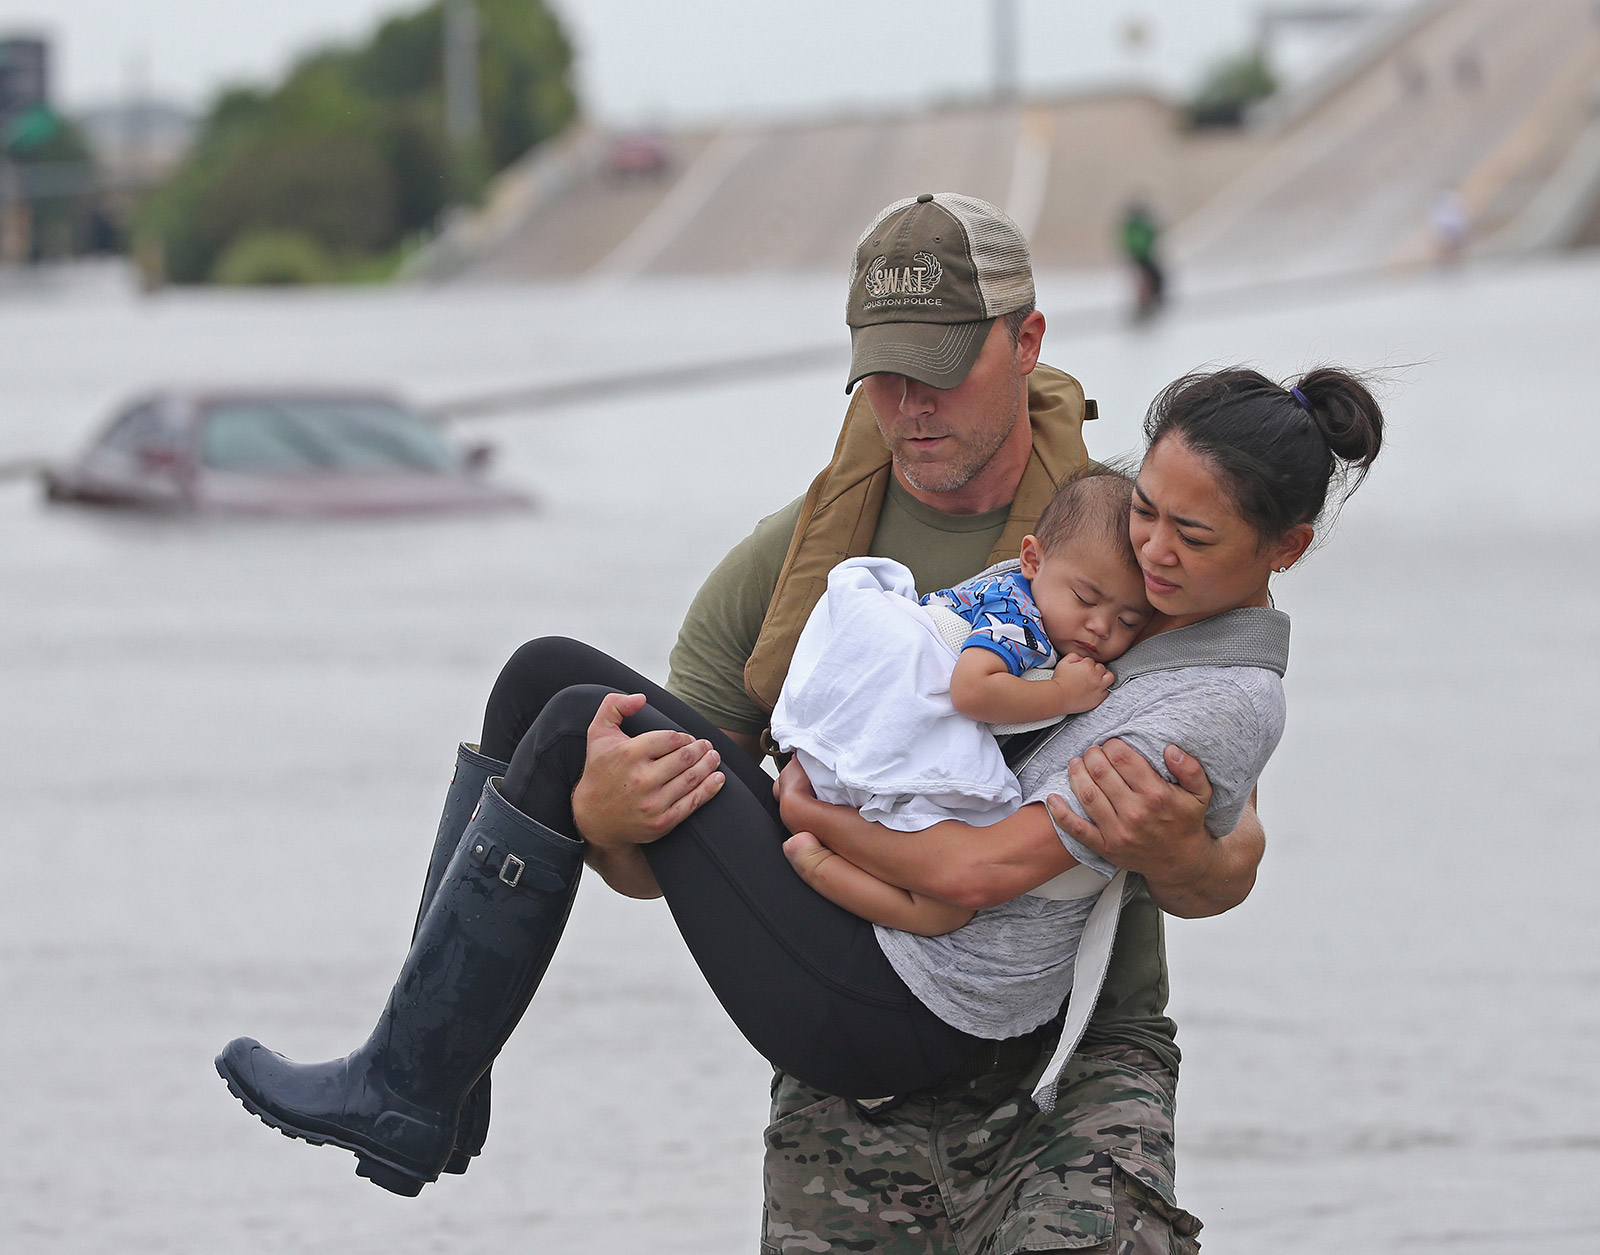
(1030, 556)
(1030, 336)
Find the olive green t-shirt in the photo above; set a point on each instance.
(719, 634)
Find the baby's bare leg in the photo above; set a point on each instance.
(861, 893)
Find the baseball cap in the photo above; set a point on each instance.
(931, 274)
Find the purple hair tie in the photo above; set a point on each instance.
(1300, 398)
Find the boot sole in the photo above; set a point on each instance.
(381, 1172)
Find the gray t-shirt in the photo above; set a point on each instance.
(1010, 969)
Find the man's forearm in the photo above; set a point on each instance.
(624, 868)
(1222, 881)
(749, 742)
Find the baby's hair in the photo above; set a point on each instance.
(1093, 506)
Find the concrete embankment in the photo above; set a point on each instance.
(1484, 100)
(1489, 99)
(795, 196)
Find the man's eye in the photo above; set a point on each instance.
(1141, 512)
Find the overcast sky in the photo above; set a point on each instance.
(658, 60)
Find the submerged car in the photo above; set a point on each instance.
(269, 452)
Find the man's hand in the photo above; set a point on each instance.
(1140, 822)
(636, 789)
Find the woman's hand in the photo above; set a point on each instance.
(1140, 822)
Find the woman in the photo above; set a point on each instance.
(1235, 476)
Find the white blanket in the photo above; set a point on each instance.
(866, 707)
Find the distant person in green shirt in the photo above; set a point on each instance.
(1140, 233)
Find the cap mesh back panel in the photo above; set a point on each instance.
(999, 253)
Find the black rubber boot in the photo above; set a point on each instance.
(479, 953)
(472, 772)
(466, 787)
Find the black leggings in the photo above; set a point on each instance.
(804, 980)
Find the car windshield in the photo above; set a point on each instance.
(321, 434)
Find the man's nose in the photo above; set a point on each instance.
(916, 397)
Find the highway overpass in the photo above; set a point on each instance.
(1494, 99)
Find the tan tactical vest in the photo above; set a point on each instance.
(840, 512)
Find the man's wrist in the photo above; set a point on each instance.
(1207, 884)
(581, 822)
(590, 826)
(1187, 861)
(1187, 880)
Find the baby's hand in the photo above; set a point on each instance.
(1083, 682)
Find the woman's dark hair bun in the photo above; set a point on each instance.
(1343, 408)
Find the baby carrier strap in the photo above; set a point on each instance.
(1251, 636)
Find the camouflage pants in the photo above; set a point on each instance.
(974, 1167)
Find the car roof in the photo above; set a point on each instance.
(185, 403)
(201, 397)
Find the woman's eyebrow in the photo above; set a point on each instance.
(1176, 518)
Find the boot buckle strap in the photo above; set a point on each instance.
(515, 872)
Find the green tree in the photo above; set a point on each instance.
(350, 152)
(272, 257)
(1230, 88)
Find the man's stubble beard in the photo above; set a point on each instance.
(949, 476)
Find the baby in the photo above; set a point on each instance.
(1076, 600)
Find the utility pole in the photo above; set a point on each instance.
(462, 110)
(135, 154)
(1005, 49)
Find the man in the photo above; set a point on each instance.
(951, 446)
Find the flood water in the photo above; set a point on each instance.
(225, 744)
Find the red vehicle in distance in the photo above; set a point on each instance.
(289, 452)
(638, 154)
